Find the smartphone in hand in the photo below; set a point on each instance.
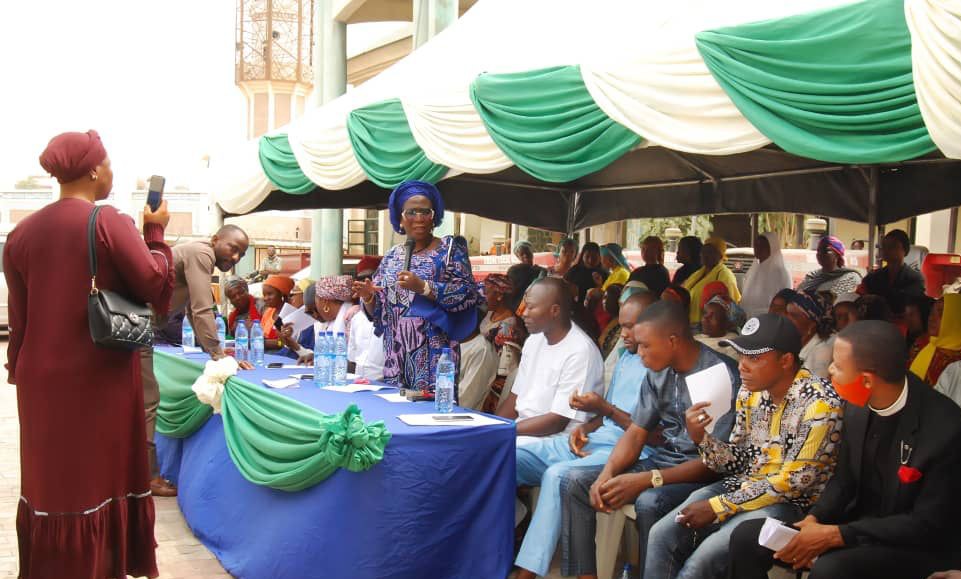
(155, 191)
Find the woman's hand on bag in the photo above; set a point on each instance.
(159, 217)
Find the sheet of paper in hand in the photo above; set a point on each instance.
(775, 535)
(296, 316)
(711, 385)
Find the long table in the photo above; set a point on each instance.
(439, 505)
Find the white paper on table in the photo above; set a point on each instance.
(393, 397)
(352, 388)
(432, 420)
(283, 383)
(711, 385)
(296, 316)
(775, 535)
(187, 350)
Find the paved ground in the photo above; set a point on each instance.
(179, 553)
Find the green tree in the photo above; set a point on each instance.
(638, 229)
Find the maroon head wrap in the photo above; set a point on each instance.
(70, 156)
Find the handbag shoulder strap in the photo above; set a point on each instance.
(92, 246)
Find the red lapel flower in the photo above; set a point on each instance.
(909, 474)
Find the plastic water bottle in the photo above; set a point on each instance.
(257, 345)
(321, 360)
(444, 384)
(626, 573)
(221, 331)
(187, 336)
(241, 342)
(329, 347)
(340, 359)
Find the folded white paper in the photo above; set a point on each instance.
(775, 535)
(192, 350)
(711, 385)
(449, 419)
(283, 383)
(351, 388)
(393, 397)
(296, 316)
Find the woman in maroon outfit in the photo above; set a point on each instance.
(85, 509)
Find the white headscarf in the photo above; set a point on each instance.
(765, 279)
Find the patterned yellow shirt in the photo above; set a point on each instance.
(777, 453)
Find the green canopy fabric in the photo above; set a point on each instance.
(385, 147)
(834, 85)
(280, 165)
(546, 122)
(273, 440)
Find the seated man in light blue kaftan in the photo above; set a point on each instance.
(543, 463)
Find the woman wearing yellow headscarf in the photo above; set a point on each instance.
(712, 269)
(945, 345)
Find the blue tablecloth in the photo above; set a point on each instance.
(440, 504)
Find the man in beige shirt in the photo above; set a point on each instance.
(194, 264)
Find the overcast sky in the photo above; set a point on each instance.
(154, 78)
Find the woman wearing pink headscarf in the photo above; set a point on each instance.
(85, 510)
(833, 276)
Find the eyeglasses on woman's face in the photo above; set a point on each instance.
(419, 213)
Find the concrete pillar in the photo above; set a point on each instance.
(330, 81)
(430, 17)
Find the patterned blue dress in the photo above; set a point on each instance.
(413, 344)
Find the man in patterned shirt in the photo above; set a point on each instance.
(781, 453)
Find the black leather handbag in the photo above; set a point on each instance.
(115, 321)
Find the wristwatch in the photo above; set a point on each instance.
(656, 479)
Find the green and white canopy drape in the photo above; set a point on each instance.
(562, 89)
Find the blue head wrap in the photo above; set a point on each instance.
(615, 252)
(408, 189)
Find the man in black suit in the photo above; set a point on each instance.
(892, 509)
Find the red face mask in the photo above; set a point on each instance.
(854, 392)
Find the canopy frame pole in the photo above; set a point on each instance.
(532, 186)
(872, 175)
(953, 230)
(691, 164)
(572, 204)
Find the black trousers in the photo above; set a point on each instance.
(749, 560)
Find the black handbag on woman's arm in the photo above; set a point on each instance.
(115, 321)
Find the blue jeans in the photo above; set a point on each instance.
(544, 463)
(579, 525)
(675, 551)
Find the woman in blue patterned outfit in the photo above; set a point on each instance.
(431, 307)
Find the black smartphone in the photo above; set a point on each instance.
(155, 192)
(453, 417)
(275, 365)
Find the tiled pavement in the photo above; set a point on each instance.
(180, 555)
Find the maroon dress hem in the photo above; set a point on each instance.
(116, 539)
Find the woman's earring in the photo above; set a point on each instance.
(93, 176)
(327, 308)
(402, 231)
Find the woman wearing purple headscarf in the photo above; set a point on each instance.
(833, 276)
(429, 306)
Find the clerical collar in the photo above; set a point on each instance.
(898, 405)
